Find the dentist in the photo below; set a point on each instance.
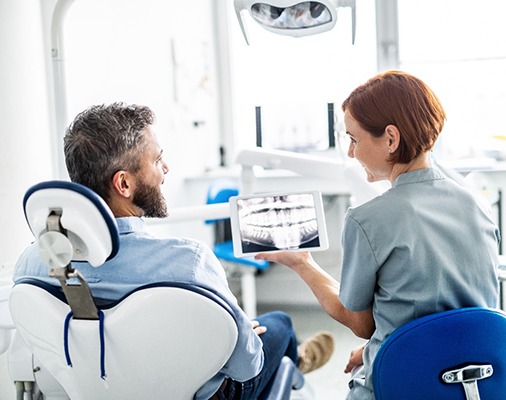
(424, 246)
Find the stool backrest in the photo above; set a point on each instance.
(416, 361)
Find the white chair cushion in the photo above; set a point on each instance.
(159, 343)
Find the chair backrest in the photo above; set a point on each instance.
(70, 222)
(88, 222)
(419, 360)
(158, 342)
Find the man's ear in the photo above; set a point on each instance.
(122, 183)
(393, 138)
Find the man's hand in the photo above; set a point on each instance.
(257, 328)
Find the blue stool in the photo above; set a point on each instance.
(220, 192)
(452, 355)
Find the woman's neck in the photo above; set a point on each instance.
(420, 162)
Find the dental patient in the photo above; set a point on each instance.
(113, 150)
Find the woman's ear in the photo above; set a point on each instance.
(122, 184)
(393, 138)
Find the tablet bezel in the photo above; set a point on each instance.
(236, 228)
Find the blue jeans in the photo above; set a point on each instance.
(278, 341)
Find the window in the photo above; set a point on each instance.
(276, 72)
(459, 49)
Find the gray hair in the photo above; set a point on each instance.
(103, 140)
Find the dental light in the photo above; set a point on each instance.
(293, 17)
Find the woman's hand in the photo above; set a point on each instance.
(356, 359)
(257, 328)
(292, 259)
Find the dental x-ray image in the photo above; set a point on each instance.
(274, 222)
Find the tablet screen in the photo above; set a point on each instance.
(277, 222)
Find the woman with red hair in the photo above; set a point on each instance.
(424, 246)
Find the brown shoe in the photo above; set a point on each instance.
(315, 351)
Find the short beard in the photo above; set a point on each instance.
(150, 200)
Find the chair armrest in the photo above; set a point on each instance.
(287, 377)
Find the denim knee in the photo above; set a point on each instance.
(279, 316)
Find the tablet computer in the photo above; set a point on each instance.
(279, 221)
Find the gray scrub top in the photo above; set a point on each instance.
(424, 246)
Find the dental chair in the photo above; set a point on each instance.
(161, 341)
(452, 355)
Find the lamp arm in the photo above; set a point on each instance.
(302, 164)
(239, 6)
(352, 4)
(59, 14)
(58, 63)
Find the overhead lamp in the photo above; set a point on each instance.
(293, 17)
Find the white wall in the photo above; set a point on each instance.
(26, 145)
(154, 52)
(167, 64)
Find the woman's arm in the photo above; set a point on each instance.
(326, 290)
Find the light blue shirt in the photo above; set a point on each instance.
(144, 259)
(424, 246)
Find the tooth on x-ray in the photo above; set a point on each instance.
(285, 222)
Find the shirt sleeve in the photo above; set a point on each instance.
(358, 275)
(247, 358)
(29, 265)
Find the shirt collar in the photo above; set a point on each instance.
(420, 175)
(130, 224)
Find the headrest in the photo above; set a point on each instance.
(91, 230)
